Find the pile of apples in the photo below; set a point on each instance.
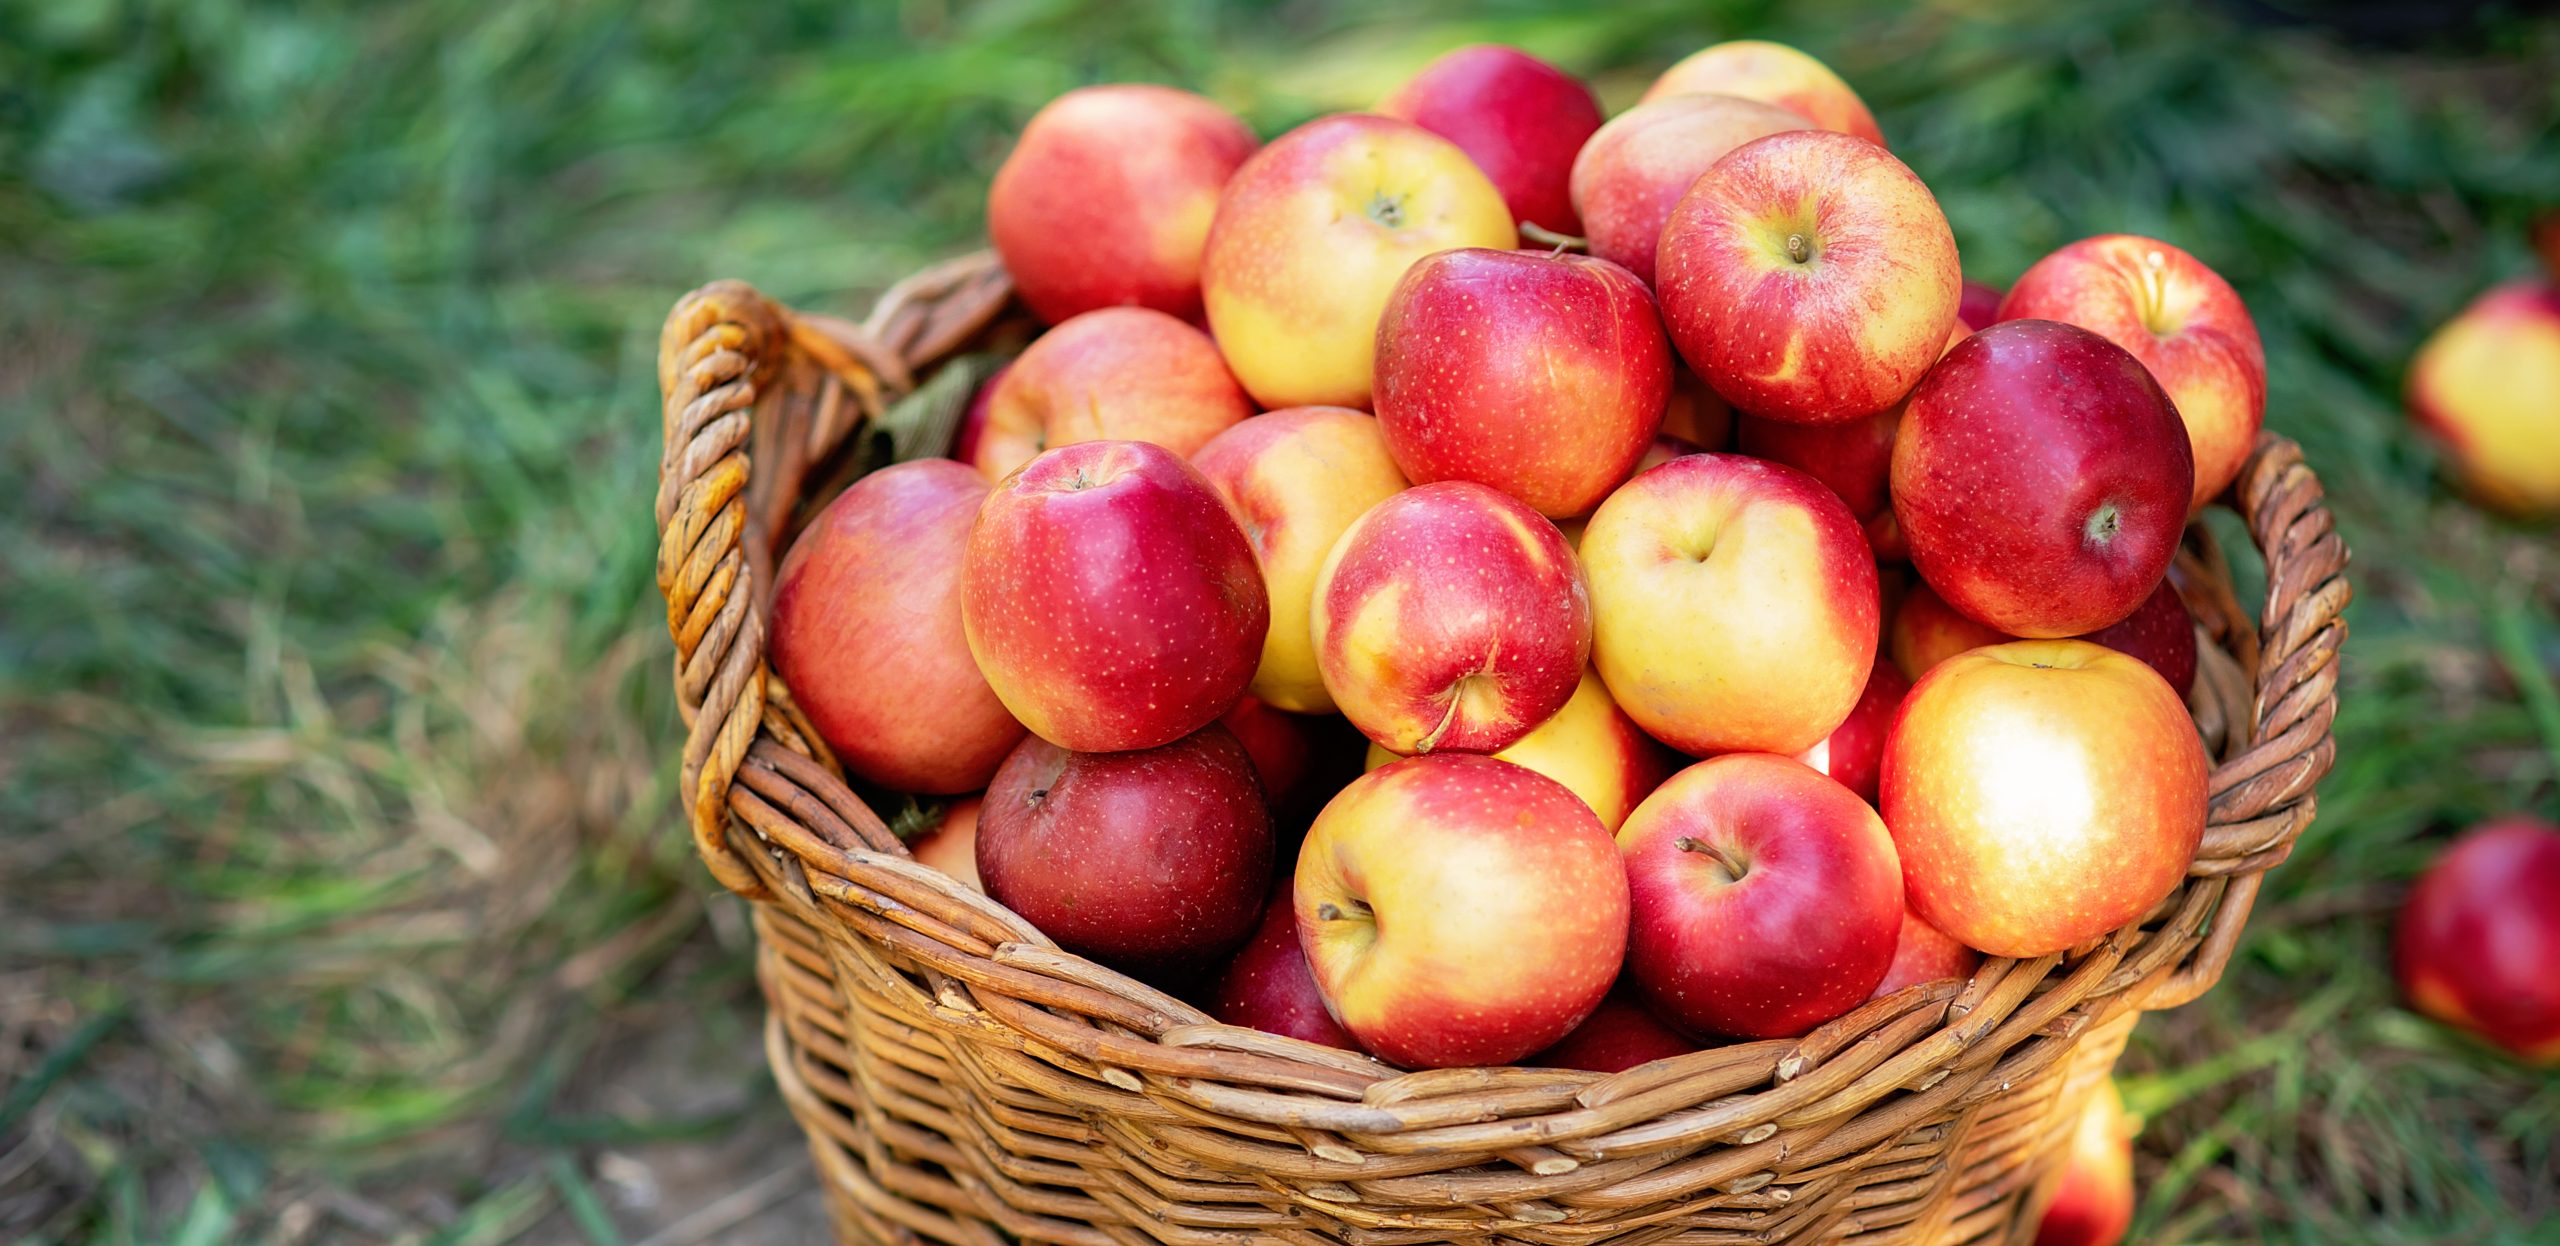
(1667, 743)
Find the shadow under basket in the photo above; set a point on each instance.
(962, 1080)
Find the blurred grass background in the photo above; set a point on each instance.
(342, 892)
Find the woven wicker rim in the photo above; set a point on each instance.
(746, 380)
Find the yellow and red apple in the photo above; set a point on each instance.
(2487, 387)
(2042, 793)
(1295, 480)
(1450, 616)
(1107, 196)
(1772, 73)
(2093, 1203)
(1809, 277)
(1110, 599)
(1460, 910)
(1734, 604)
(1591, 747)
(1311, 237)
(866, 631)
(1543, 375)
(2185, 324)
(1119, 374)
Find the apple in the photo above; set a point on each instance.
(1295, 479)
(1591, 747)
(1519, 118)
(1542, 375)
(2041, 479)
(1634, 171)
(1118, 374)
(1979, 309)
(1854, 751)
(1695, 413)
(1110, 599)
(1619, 1035)
(1311, 237)
(1927, 631)
(2042, 793)
(1809, 277)
(866, 633)
(1277, 742)
(2182, 320)
(2480, 934)
(1451, 616)
(1923, 953)
(1771, 73)
(2487, 387)
(973, 422)
(1107, 196)
(951, 846)
(1152, 861)
(1734, 604)
(1460, 910)
(1855, 459)
(1764, 898)
(2093, 1204)
(1268, 986)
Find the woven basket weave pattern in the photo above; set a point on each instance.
(962, 1080)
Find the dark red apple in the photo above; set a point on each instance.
(2040, 477)
(1764, 899)
(1519, 118)
(1268, 986)
(1980, 306)
(1617, 1036)
(2158, 632)
(1153, 860)
(2479, 939)
(1853, 754)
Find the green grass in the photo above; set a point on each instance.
(336, 748)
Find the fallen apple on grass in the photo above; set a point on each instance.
(2479, 937)
(1459, 910)
(2486, 386)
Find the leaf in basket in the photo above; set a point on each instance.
(921, 424)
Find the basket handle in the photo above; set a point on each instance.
(2261, 796)
(753, 395)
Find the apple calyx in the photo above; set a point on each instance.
(1731, 866)
(1386, 210)
(2103, 525)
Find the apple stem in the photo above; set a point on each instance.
(1713, 852)
(1797, 249)
(1331, 912)
(1546, 237)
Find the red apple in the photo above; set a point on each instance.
(1855, 460)
(973, 422)
(1119, 374)
(2042, 793)
(952, 845)
(2480, 936)
(1278, 743)
(1106, 199)
(1733, 602)
(1809, 277)
(1927, 631)
(1460, 910)
(2041, 479)
(1519, 118)
(2182, 320)
(1619, 1035)
(1451, 617)
(866, 632)
(2093, 1205)
(1923, 953)
(2486, 386)
(1110, 599)
(1634, 171)
(1980, 307)
(1268, 986)
(1776, 74)
(1764, 898)
(1854, 751)
(1152, 860)
(1542, 375)
(1312, 236)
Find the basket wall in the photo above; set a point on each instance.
(961, 1080)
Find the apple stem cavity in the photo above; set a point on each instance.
(1725, 861)
(1331, 912)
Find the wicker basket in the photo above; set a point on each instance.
(961, 1080)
